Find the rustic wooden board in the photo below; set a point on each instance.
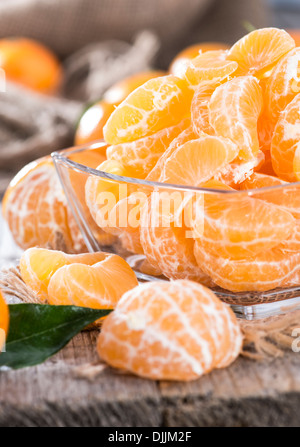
(55, 394)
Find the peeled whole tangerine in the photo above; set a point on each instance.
(176, 330)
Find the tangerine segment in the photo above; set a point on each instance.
(296, 163)
(237, 226)
(257, 52)
(185, 136)
(126, 217)
(234, 109)
(119, 91)
(209, 66)
(199, 108)
(98, 286)
(165, 239)
(141, 156)
(4, 320)
(159, 103)
(171, 331)
(179, 64)
(265, 271)
(287, 197)
(237, 171)
(195, 162)
(38, 265)
(283, 85)
(285, 141)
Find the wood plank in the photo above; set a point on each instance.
(247, 393)
(54, 394)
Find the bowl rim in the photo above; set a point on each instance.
(61, 156)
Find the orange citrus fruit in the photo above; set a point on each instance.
(237, 226)
(234, 109)
(165, 241)
(119, 91)
(178, 65)
(285, 141)
(183, 167)
(282, 86)
(295, 34)
(265, 271)
(35, 206)
(257, 52)
(4, 321)
(185, 136)
(296, 163)
(90, 127)
(172, 331)
(95, 280)
(159, 103)
(209, 66)
(287, 196)
(31, 64)
(141, 156)
(199, 107)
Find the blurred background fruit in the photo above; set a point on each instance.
(30, 64)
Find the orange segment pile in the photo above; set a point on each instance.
(4, 320)
(228, 115)
(172, 331)
(96, 280)
(223, 134)
(141, 156)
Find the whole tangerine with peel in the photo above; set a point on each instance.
(30, 64)
(4, 320)
(176, 330)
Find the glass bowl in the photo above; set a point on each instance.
(117, 213)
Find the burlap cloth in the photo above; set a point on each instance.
(100, 41)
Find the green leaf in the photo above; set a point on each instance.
(38, 331)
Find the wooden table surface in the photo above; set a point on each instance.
(56, 393)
